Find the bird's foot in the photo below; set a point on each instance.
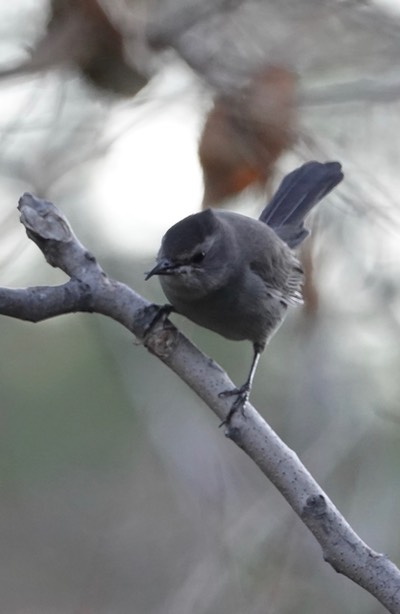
(151, 316)
(157, 313)
(242, 396)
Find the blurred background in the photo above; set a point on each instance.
(118, 492)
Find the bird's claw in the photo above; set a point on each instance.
(242, 396)
(161, 312)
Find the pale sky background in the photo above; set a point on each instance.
(150, 176)
(152, 170)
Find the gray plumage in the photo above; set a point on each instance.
(233, 289)
(236, 275)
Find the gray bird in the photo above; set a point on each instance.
(236, 275)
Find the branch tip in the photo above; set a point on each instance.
(43, 220)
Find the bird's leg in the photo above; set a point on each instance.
(242, 394)
(161, 312)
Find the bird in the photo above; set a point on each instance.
(236, 275)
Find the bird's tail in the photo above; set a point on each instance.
(298, 193)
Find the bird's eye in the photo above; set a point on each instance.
(198, 257)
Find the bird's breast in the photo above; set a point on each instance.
(233, 311)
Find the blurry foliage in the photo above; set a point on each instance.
(119, 493)
(60, 415)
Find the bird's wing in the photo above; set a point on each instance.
(283, 280)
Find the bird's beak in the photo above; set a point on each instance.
(164, 267)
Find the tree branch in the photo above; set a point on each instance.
(40, 303)
(90, 290)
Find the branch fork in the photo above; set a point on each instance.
(89, 289)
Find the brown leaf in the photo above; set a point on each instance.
(245, 134)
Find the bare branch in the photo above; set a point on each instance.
(41, 303)
(364, 90)
(204, 35)
(167, 31)
(89, 289)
